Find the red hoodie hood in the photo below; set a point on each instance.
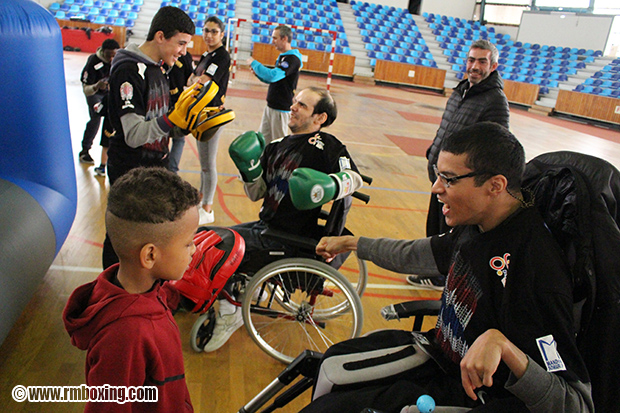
(93, 306)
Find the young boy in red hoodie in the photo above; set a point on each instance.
(123, 318)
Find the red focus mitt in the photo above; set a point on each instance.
(218, 254)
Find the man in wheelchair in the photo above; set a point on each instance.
(266, 170)
(505, 335)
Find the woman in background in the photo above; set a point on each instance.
(214, 65)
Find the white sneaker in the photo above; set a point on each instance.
(205, 217)
(225, 326)
(430, 283)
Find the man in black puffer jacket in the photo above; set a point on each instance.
(478, 98)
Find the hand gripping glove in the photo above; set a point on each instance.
(245, 151)
(191, 102)
(209, 121)
(310, 188)
(218, 254)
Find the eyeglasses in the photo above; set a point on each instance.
(449, 180)
(213, 31)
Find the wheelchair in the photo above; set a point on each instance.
(578, 196)
(291, 300)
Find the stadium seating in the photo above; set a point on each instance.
(395, 30)
(113, 12)
(303, 13)
(537, 64)
(603, 83)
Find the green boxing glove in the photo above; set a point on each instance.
(245, 151)
(310, 188)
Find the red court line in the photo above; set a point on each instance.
(387, 98)
(408, 175)
(370, 274)
(229, 180)
(411, 146)
(417, 117)
(399, 280)
(236, 195)
(86, 241)
(220, 198)
(192, 144)
(399, 297)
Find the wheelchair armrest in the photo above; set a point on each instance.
(417, 309)
(290, 239)
(323, 215)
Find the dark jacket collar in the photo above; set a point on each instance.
(493, 81)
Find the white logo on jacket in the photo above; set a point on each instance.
(549, 351)
(317, 141)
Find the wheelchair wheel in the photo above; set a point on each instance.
(296, 304)
(354, 269)
(202, 330)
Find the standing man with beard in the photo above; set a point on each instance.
(476, 99)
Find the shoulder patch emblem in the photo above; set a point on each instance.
(127, 95)
(211, 69)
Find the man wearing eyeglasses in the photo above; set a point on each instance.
(478, 98)
(507, 300)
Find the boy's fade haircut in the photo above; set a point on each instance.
(142, 204)
(171, 20)
(491, 150)
(151, 195)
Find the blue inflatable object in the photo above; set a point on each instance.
(38, 195)
(425, 404)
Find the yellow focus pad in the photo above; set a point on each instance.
(191, 102)
(210, 125)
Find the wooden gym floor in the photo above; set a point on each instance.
(386, 129)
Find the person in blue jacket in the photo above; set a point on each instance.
(282, 80)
